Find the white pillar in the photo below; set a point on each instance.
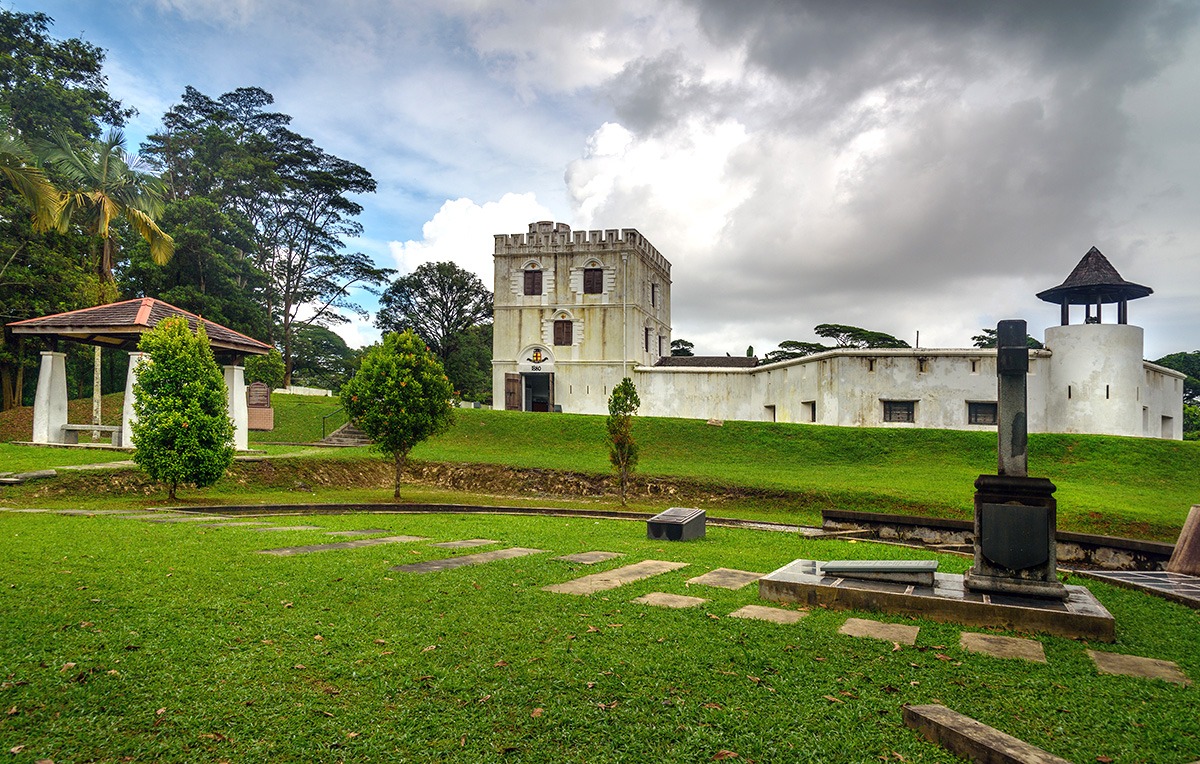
(235, 384)
(50, 402)
(128, 417)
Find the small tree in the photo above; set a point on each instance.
(622, 451)
(182, 433)
(268, 369)
(399, 397)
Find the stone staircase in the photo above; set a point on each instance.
(346, 435)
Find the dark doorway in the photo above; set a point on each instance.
(539, 392)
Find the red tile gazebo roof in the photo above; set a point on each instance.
(121, 324)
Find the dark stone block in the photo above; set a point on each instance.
(676, 524)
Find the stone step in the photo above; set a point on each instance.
(346, 435)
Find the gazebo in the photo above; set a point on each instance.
(1094, 282)
(120, 325)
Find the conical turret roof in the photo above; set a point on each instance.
(1094, 280)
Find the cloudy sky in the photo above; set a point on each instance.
(903, 166)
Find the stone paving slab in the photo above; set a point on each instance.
(971, 739)
(90, 512)
(1002, 647)
(364, 532)
(892, 632)
(288, 551)
(611, 579)
(289, 528)
(663, 599)
(589, 558)
(772, 614)
(146, 515)
(464, 544)
(188, 519)
(1133, 665)
(726, 578)
(435, 566)
(234, 524)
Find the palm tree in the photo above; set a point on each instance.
(18, 167)
(105, 182)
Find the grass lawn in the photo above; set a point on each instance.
(126, 640)
(1135, 487)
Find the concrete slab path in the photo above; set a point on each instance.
(449, 563)
(611, 579)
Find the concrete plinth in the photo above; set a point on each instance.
(235, 386)
(1080, 616)
(1015, 547)
(128, 417)
(50, 401)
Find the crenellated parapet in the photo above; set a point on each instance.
(548, 236)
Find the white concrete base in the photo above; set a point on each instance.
(50, 401)
(235, 385)
(128, 417)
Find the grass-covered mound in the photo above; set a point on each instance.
(125, 640)
(1136, 487)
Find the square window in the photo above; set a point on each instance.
(981, 413)
(533, 282)
(899, 411)
(593, 280)
(563, 332)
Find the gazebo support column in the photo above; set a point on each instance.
(50, 401)
(128, 417)
(235, 383)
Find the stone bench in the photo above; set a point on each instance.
(71, 432)
(676, 524)
(918, 572)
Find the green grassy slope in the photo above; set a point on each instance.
(1130, 485)
(1122, 486)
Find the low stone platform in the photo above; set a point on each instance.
(1081, 616)
(1177, 587)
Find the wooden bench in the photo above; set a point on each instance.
(71, 432)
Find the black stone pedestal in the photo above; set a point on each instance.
(1015, 550)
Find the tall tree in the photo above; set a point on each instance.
(987, 339)
(845, 336)
(211, 273)
(50, 86)
(294, 197)
(1189, 364)
(47, 86)
(104, 183)
(321, 358)
(682, 348)
(789, 349)
(441, 302)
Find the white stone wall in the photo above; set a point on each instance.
(1091, 378)
(1096, 379)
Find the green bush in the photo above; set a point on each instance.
(399, 397)
(182, 433)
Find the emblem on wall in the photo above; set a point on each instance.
(537, 356)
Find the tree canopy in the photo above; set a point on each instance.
(1189, 364)
(987, 339)
(447, 307)
(682, 348)
(843, 335)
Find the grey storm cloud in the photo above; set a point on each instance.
(1007, 133)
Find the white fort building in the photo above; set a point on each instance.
(576, 311)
